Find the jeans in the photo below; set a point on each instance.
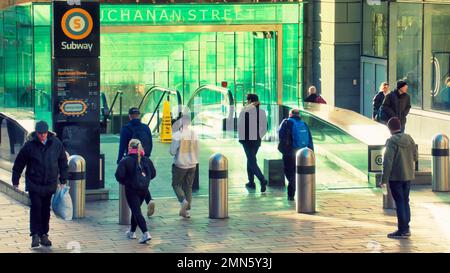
(135, 200)
(39, 213)
(251, 149)
(289, 171)
(182, 180)
(400, 193)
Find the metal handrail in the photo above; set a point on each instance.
(165, 91)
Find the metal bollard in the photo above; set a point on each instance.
(77, 184)
(388, 200)
(218, 186)
(124, 210)
(439, 151)
(305, 180)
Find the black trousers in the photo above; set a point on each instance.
(135, 200)
(148, 197)
(289, 171)
(39, 213)
(251, 149)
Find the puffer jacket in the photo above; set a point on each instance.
(126, 170)
(399, 158)
(45, 164)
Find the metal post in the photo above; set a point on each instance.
(120, 111)
(218, 186)
(440, 153)
(77, 184)
(305, 179)
(388, 200)
(124, 210)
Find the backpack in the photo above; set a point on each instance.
(300, 134)
(137, 132)
(285, 144)
(319, 99)
(141, 179)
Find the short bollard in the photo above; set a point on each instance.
(305, 180)
(388, 200)
(218, 187)
(124, 210)
(77, 184)
(439, 176)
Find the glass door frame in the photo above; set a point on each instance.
(278, 28)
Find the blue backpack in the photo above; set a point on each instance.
(300, 134)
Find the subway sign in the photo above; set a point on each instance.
(198, 14)
(76, 30)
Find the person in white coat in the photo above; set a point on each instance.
(184, 148)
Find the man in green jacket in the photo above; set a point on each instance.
(398, 169)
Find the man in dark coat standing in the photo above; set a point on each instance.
(45, 158)
(397, 104)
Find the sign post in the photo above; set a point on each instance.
(76, 82)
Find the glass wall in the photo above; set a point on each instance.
(16, 59)
(437, 31)
(375, 29)
(409, 49)
(133, 61)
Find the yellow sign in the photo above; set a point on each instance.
(166, 125)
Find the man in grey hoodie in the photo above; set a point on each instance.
(398, 169)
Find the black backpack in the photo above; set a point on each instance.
(141, 179)
(138, 132)
(285, 145)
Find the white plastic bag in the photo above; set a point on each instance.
(62, 203)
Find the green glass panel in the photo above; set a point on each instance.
(42, 14)
(198, 14)
(10, 36)
(2, 64)
(290, 63)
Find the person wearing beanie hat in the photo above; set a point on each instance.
(399, 160)
(396, 104)
(45, 160)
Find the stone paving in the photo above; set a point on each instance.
(346, 221)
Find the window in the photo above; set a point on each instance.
(409, 49)
(375, 29)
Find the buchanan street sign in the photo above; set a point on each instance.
(198, 14)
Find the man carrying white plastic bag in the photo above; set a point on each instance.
(62, 203)
(44, 156)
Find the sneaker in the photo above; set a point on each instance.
(150, 208)
(188, 213)
(183, 209)
(408, 233)
(263, 186)
(45, 241)
(251, 185)
(145, 238)
(130, 234)
(35, 241)
(397, 235)
(291, 198)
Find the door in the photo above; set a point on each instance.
(440, 82)
(373, 73)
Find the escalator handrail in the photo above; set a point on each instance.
(161, 89)
(112, 105)
(222, 90)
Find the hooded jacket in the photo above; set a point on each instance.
(44, 164)
(399, 158)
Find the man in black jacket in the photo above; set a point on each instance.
(44, 156)
(397, 104)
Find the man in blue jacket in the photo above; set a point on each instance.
(294, 134)
(137, 130)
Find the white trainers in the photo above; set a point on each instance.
(188, 213)
(130, 235)
(184, 207)
(145, 238)
(150, 208)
